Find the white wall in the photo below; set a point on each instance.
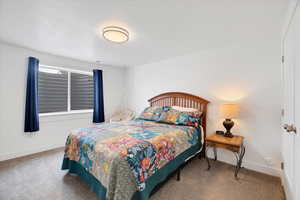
(247, 73)
(53, 130)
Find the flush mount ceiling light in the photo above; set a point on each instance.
(115, 34)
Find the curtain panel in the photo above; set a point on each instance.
(31, 107)
(98, 115)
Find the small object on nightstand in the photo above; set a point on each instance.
(220, 132)
(234, 144)
(229, 111)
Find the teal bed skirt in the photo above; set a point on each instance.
(160, 176)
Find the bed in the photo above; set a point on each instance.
(128, 160)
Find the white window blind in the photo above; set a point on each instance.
(82, 92)
(64, 90)
(53, 92)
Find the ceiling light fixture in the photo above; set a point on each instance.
(115, 34)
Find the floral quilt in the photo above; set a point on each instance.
(140, 146)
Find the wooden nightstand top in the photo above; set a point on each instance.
(235, 141)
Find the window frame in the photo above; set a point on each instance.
(69, 111)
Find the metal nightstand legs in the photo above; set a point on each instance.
(239, 159)
(206, 158)
(238, 155)
(215, 154)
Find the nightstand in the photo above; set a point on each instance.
(234, 144)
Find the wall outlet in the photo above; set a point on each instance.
(269, 161)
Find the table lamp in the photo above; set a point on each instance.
(228, 112)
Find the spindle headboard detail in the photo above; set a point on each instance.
(183, 100)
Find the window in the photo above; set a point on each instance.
(82, 91)
(63, 91)
(53, 91)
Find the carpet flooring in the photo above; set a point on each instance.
(38, 177)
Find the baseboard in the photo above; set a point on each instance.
(248, 165)
(9, 156)
(254, 166)
(262, 168)
(286, 186)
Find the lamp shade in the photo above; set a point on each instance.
(229, 111)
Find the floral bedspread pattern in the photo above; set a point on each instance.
(146, 146)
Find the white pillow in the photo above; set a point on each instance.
(183, 109)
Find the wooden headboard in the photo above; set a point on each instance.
(183, 100)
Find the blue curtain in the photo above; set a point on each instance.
(31, 109)
(98, 115)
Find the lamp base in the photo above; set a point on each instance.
(228, 134)
(228, 124)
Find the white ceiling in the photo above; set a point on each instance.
(159, 29)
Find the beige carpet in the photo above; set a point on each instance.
(38, 177)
